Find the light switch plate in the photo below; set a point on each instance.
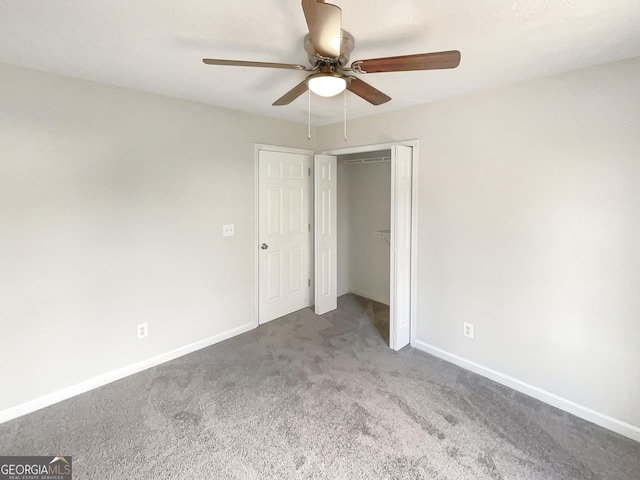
(228, 230)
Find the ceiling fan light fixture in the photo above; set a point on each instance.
(328, 50)
(326, 85)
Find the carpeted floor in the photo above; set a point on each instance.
(377, 313)
(317, 397)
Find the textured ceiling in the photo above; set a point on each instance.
(157, 46)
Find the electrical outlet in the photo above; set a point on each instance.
(228, 230)
(143, 331)
(467, 329)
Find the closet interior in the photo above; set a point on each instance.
(364, 219)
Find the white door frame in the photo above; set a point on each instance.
(256, 218)
(414, 212)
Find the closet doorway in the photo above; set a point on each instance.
(375, 229)
(364, 232)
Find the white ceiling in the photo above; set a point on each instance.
(157, 46)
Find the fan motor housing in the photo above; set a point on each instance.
(346, 47)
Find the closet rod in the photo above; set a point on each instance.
(367, 160)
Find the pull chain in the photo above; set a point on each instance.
(309, 117)
(345, 115)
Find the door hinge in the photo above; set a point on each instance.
(309, 171)
(309, 282)
(309, 227)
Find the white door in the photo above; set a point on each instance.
(326, 238)
(400, 307)
(283, 210)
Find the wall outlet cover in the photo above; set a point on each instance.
(143, 330)
(228, 230)
(467, 329)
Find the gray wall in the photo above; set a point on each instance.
(112, 203)
(529, 228)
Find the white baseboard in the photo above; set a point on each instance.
(613, 424)
(343, 292)
(105, 378)
(375, 298)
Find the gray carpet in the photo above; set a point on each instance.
(317, 397)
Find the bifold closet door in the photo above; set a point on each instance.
(400, 258)
(326, 237)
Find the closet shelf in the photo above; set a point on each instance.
(361, 161)
(386, 234)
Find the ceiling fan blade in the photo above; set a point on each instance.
(292, 94)
(242, 63)
(325, 27)
(421, 61)
(366, 91)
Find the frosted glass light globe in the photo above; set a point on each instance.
(326, 85)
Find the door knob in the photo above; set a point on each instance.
(264, 246)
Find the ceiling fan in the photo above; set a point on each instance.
(328, 48)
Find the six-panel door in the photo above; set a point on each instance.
(283, 265)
